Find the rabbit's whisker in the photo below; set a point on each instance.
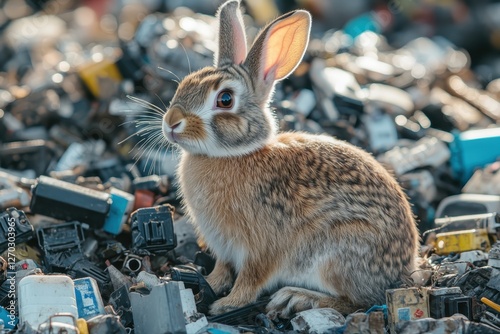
(147, 121)
(159, 98)
(161, 150)
(139, 151)
(140, 143)
(150, 121)
(175, 75)
(146, 144)
(144, 112)
(135, 158)
(144, 117)
(187, 57)
(146, 104)
(156, 146)
(138, 133)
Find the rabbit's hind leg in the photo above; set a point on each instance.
(289, 300)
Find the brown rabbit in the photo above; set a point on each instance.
(312, 215)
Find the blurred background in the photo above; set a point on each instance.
(472, 25)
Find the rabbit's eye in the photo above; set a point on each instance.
(225, 99)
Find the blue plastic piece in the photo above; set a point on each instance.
(361, 24)
(473, 149)
(121, 206)
(376, 308)
(9, 321)
(216, 331)
(88, 298)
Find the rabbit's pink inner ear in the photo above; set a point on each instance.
(239, 39)
(232, 38)
(286, 44)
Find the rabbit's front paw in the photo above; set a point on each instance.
(221, 306)
(219, 286)
(221, 278)
(289, 300)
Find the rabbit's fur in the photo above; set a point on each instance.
(315, 216)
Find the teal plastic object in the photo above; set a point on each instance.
(474, 149)
(9, 320)
(360, 24)
(121, 207)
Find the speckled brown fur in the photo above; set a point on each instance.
(302, 197)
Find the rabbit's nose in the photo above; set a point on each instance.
(173, 117)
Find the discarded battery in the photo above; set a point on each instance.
(67, 201)
(405, 304)
(14, 228)
(153, 230)
(445, 302)
(88, 298)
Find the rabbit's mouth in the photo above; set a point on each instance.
(176, 138)
(172, 137)
(169, 133)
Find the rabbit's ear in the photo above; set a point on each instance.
(232, 48)
(280, 47)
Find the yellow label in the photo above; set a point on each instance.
(95, 75)
(462, 241)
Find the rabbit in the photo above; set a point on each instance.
(311, 220)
